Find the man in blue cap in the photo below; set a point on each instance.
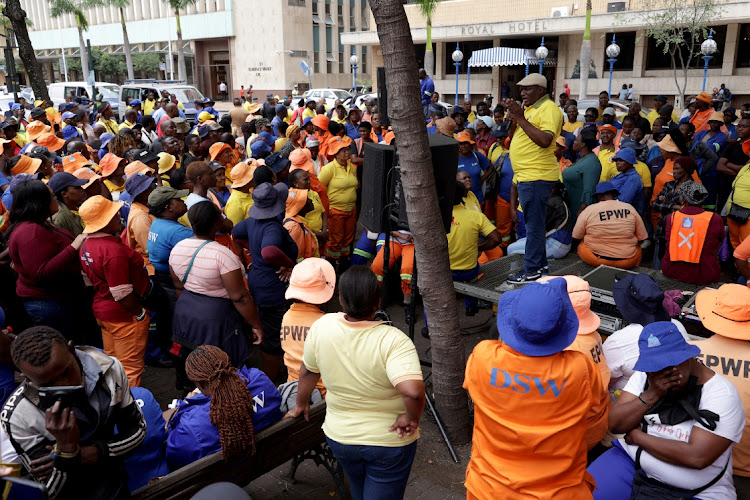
(531, 400)
(681, 421)
(278, 119)
(610, 230)
(70, 131)
(70, 194)
(628, 182)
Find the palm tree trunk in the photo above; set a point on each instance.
(181, 70)
(17, 16)
(126, 46)
(586, 54)
(435, 282)
(84, 55)
(429, 55)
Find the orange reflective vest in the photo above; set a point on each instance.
(688, 236)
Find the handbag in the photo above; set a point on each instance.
(491, 184)
(737, 213)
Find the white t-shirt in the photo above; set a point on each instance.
(621, 352)
(193, 198)
(718, 396)
(222, 87)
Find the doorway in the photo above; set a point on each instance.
(219, 71)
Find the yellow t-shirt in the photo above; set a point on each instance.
(653, 115)
(360, 364)
(279, 143)
(114, 189)
(341, 185)
(308, 113)
(466, 227)
(741, 187)
(530, 162)
(314, 218)
(471, 202)
(126, 124)
(609, 169)
(148, 106)
(237, 206)
(342, 121)
(571, 127)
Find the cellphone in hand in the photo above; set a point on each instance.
(69, 396)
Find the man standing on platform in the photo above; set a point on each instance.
(532, 153)
(426, 87)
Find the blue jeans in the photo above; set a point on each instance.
(56, 314)
(375, 472)
(533, 199)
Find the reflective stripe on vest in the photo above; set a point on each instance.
(688, 236)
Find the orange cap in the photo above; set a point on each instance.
(137, 167)
(87, 173)
(216, 148)
(295, 201)
(73, 162)
(26, 165)
(109, 164)
(609, 127)
(302, 158)
(35, 129)
(242, 173)
(97, 211)
(704, 96)
(50, 141)
(320, 121)
(464, 137)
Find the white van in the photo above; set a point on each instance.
(111, 93)
(184, 93)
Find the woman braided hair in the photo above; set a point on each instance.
(231, 402)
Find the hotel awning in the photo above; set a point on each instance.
(506, 56)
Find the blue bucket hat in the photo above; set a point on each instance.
(660, 346)
(606, 187)
(626, 154)
(135, 102)
(640, 299)
(136, 184)
(269, 201)
(105, 138)
(69, 132)
(539, 319)
(306, 120)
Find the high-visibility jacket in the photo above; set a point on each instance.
(688, 236)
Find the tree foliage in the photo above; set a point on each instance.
(74, 7)
(679, 27)
(146, 63)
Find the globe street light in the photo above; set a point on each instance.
(457, 57)
(354, 60)
(541, 55)
(708, 47)
(612, 52)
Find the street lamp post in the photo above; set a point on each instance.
(708, 47)
(457, 57)
(612, 52)
(354, 60)
(541, 55)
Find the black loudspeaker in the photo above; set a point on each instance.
(381, 184)
(385, 120)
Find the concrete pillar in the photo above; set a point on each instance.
(562, 65)
(201, 4)
(439, 60)
(496, 75)
(730, 49)
(641, 51)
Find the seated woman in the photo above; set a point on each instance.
(611, 231)
(229, 408)
(681, 421)
(693, 237)
(310, 286)
(558, 223)
(668, 201)
(628, 182)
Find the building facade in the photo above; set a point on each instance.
(481, 24)
(241, 42)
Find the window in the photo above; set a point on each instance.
(340, 12)
(296, 3)
(365, 16)
(626, 42)
(132, 93)
(743, 46)
(315, 16)
(352, 16)
(316, 48)
(341, 49)
(657, 59)
(468, 48)
(329, 19)
(363, 62)
(329, 50)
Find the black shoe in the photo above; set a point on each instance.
(472, 311)
(425, 332)
(544, 270)
(164, 362)
(407, 315)
(521, 277)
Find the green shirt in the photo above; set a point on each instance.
(68, 220)
(580, 181)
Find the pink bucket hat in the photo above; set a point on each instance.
(312, 281)
(580, 296)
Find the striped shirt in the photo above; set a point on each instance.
(210, 263)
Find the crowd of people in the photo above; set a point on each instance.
(194, 246)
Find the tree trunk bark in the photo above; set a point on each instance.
(181, 70)
(429, 54)
(17, 16)
(435, 282)
(84, 56)
(586, 54)
(126, 46)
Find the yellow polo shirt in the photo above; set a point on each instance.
(530, 162)
(341, 185)
(653, 115)
(314, 218)
(571, 126)
(148, 106)
(466, 227)
(308, 113)
(741, 188)
(237, 206)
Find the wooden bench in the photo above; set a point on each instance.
(295, 440)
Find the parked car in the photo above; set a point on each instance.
(620, 105)
(139, 89)
(110, 92)
(28, 94)
(330, 95)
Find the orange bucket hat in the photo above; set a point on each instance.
(295, 201)
(109, 164)
(725, 311)
(464, 137)
(242, 173)
(26, 165)
(216, 148)
(87, 173)
(301, 158)
(35, 129)
(73, 162)
(320, 121)
(97, 211)
(50, 141)
(137, 167)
